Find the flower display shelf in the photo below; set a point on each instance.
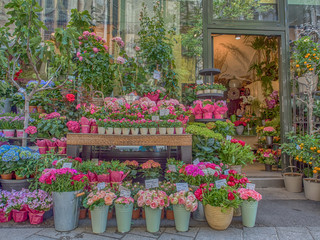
(209, 73)
(210, 120)
(209, 95)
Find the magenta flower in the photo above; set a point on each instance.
(121, 60)
(95, 49)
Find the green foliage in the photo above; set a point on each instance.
(80, 20)
(224, 128)
(219, 198)
(174, 176)
(52, 128)
(235, 154)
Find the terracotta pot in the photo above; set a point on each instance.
(89, 214)
(6, 176)
(110, 214)
(162, 213)
(40, 109)
(33, 109)
(83, 213)
(169, 214)
(136, 213)
(143, 214)
(217, 219)
(20, 178)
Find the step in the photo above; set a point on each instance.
(263, 182)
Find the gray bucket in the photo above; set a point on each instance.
(5, 105)
(198, 215)
(66, 209)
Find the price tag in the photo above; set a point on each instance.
(199, 82)
(220, 183)
(251, 186)
(120, 101)
(172, 168)
(156, 75)
(182, 187)
(155, 118)
(164, 112)
(67, 165)
(101, 186)
(151, 183)
(298, 147)
(226, 172)
(228, 137)
(196, 161)
(124, 192)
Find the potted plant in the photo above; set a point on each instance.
(143, 126)
(109, 126)
(206, 89)
(8, 162)
(101, 126)
(269, 133)
(170, 126)
(220, 108)
(150, 169)
(178, 127)
(135, 127)
(5, 206)
(117, 127)
(239, 126)
(153, 202)
(135, 188)
(183, 204)
(133, 169)
(125, 126)
(98, 202)
(8, 127)
(162, 127)
(249, 206)
(207, 109)
(19, 200)
(268, 157)
(200, 89)
(65, 184)
(124, 208)
(152, 126)
(19, 124)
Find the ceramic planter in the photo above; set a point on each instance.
(179, 130)
(153, 131)
(311, 189)
(144, 131)
(124, 215)
(162, 131)
(134, 131)
(109, 131)
(249, 213)
(153, 218)
(117, 131)
(8, 132)
(20, 133)
(207, 91)
(170, 131)
(181, 218)
(200, 92)
(99, 219)
(125, 131)
(293, 182)
(101, 130)
(240, 129)
(217, 219)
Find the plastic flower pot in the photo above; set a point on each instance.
(240, 129)
(8, 132)
(170, 131)
(6, 176)
(124, 216)
(5, 217)
(249, 213)
(293, 182)
(99, 219)
(199, 92)
(134, 131)
(169, 214)
(207, 115)
(85, 129)
(43, 150)
(125, 131)
(101, 130)
(179, 130)
(19, 215)
(162, 131)
(153, 218)
(36, 218)
(136, 213)
(117, 131)
(218, 219)
(153, 131)
(199, 215)
(109, 131)
(144, 131)
(19, 133)
(181, 218)
(66, 208)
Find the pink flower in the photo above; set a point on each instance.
(137, 48)
(78, 54)
(95, 50)
(31, 130)
(121, 60)
(106, 47)
(80, 58)
(54, 163)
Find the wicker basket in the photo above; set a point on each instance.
(217, 219)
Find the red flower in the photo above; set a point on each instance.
(70, 97)
(198, 193)
(233, 172)
(222, 176)
(231, 178)
(231, 184)
(69, 157)
(230, 196)
(78, 159)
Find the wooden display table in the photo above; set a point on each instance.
(183, 141)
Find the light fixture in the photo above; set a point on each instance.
(238, 37)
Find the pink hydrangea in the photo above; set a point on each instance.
(248, 194)
(31, 130)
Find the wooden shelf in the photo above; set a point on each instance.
(210, 120)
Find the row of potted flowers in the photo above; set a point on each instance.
(12, 126)
(210, 88)
(206, 109)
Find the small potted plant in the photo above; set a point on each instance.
(170, 126)
(117, 127)
(269, 133)
(268, 157)
(133, 166)
(207, 109)
(124, 208)
(109, 125)
(134, 127)
(19, 200)
(178, 127)
(5, 206)
(206, 89)
(3, 139)
(162, 127)
(200, 89)
(101, 126)
(239, 126)
(220, 108)
(150, 169)
(8, 127)
(143, 126)
(19, 124)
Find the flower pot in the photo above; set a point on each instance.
(109, 131)
(169, 214)
(144, 131)
(136, 213)
(269, 140)
(200, 92)
(198, 214)
(101, 130)
(143, 214)
(134, 131)
(218, 116)
(85, 129)
(19, 133)
(207, 91)
(213, 90)
(124, 216)
(162, 131)
(33, 109)
(207, 115)
(89, 214)
(125, 131)
(99, 218)
(8, 132)
(217, 219)
(181, 218)
(240, 129)
(52, 149)
(249, 213)
(170, 131)
(153, 217)
(237, 212)
(293, 182)
(110, 214)
(43, 150)
(14, 184)
(268, 167)
(198, 116)
(19, 215)
(94, 129)
(40, 109)
(162, 213)
(179, 130)
(66, 208)
(237, 168)
(117, 131)
(153, 131)
(6, 176)
(83, 213)
(20, 178)
(36, 218)
(311, 189)
(5, 217)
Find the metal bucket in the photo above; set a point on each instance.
(66, 210)
(198, 215)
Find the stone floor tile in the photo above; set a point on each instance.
(289, 233)
(315, 232)
(52, 233)
(93, 237)
(210, 234)
(130, 236)
(191, 233)
(143, 232)
(113, 233)
(168, 236)
(260, 233)
(38, 237)
(17, 233)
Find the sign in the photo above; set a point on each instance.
(124, 192)
(196, 161)
(151, 183)
(67, 165)
(156, 75)
(155, 118)
(251, 186)
(101, 186)
(172, 168)
(228, 138)
(226, 172)
(199, 82)
(182, 187)
(220, 183)
(164, 112)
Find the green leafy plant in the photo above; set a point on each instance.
(171, 175)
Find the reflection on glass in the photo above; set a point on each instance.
(261, 10)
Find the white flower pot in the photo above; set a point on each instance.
(117, 131)
(179, 130)
(153, 131)
(109, 131)
(125, 131)
(207, 91)
(199, 92)
(162, 131)
(240, 129)
(134, 131)
(101, 130)
(170, 131)
(213, 90)
(144, 131)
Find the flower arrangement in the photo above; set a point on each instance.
(235, 179)
(249, 195)
(73, 126)
(240, 123)
(39, 201)
(124, 200)
(172, 173)
(269, 131)
(167, 187)
(98, 198)
(187, 199)
(133, 166)
(150, 169)
(267, 156)
(153, 198)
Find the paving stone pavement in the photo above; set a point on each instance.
(194, 233)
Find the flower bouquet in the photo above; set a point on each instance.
(150, 169)
(269, 131)
(42, 144)
(249, 206)
(197, 110)
(124, 208)
(207, 109)
(220, 108)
